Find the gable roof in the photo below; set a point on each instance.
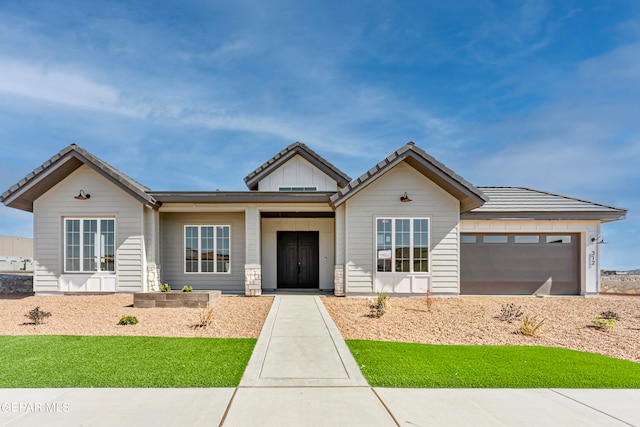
(469, 196)
(61, 165)
(527, 203)
(281, 158)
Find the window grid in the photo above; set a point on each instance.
(402, 245)
(89, 245)
(207, 248)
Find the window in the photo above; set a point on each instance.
(495, 238)
(558, 239)
(297, 188)
(402, 245)
(207, 249)
(468, 238)
(89, 245)
(526, 238)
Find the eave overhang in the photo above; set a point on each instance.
(297, 148)
(469, 196)
(44, 177)
(241, 196)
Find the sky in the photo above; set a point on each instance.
(194, 95)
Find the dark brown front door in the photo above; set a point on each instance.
(298, 265)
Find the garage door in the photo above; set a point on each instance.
(519, 264)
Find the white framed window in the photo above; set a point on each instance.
(89, 245)
(402, 245)
(207, 249)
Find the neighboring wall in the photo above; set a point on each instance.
(107, 201)
(626, 285)
(382, 199)
(16, 247)
(297, 172)
(16, 254)
(172, 251)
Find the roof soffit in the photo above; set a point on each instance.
(469, 196)
(44, 177)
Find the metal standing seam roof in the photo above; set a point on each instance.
(469, 195)
(517, 202)
(45, 176)
(307, 153)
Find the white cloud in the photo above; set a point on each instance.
(54, 85)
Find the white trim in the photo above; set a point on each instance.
(393, 245)
(215, 248)
(97, 245)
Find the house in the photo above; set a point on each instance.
(408, 225)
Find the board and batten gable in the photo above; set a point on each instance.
(381, 199)
(172, 245)
(297, 172)
(107, 201)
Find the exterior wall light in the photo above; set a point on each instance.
(82, 196)
(405, 198)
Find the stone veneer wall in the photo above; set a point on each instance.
(13, 283)
(338, 280)
(252, 280)
(627, 285)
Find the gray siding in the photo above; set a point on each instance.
(382, 198)
(108, 201)
(172, 250)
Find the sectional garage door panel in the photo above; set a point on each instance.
(519, 264)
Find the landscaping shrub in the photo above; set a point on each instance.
(165, 288)
(206, 317)
(128, 320)
(378, 306)
(609, 315)
(187, 288)
(604, 324)
(531, 327)
(509, 312)
(37, 316)
(429, 300)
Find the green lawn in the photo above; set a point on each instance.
(390, 364)
(92, 361)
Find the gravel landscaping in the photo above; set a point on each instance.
(475, 320)
(464, 320)
(233, 317)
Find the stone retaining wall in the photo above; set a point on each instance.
(627, 285)
(12, 283)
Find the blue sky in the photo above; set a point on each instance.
(194, 95)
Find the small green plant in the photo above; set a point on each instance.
(609, 315)
(378, 306)
(531, 327)
(37, 316)
(187, 288)
(165, 288)
(128, 320)
(604, 324)
(509, 312)
(206, 317)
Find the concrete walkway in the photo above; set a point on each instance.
(301, 373)
(301, 346)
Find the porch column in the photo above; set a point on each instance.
(338, 268)
(252, 268)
